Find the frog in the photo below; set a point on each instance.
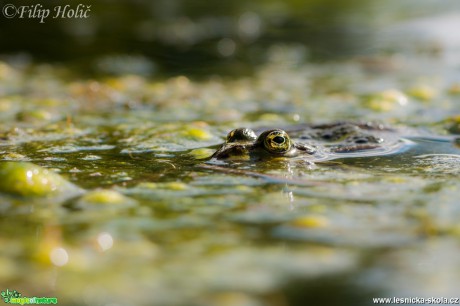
(310, 141)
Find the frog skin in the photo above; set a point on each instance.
(335, 139)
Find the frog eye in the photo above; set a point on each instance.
(241, 135)
(277, 141)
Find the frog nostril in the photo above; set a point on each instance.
(278, 139)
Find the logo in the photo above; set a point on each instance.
(14, 297)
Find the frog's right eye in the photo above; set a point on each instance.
(241, 135)
(277, 141)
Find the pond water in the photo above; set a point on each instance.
(107, 195)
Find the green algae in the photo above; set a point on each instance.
(386, 101)
(201, 153)
(29, 180)
(104, 197)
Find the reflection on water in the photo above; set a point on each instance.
(425, 154)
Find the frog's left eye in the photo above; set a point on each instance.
(277, 141)
(241, 135)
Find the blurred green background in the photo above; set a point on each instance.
(171, 37)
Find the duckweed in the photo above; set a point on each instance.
(34, 116)
(105, 197)
(167, 186)
(201, 153)
(386, 101)
(310, 221)
(423, 93)
(29, 180)
(196, 133)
